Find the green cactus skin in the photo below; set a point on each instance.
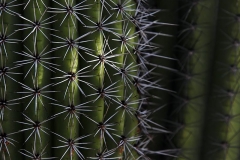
(108, 107)
(97, 80)
(194, 50)
(66, 124)
(35, 84)
(9, 75)
(223, 109)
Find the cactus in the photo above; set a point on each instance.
(74, 79)
(119, 79)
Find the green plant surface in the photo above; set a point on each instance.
(95, 93)
(194, 50)
(222, 116)
(36, 87)
(9, 76)
(66, 80)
